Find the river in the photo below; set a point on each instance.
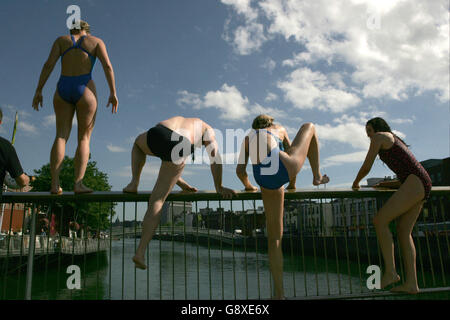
(185, 271)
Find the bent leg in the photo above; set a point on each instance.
(64, 112)
(86, 112)
(405, 225)
(169, 173)
(305, 144)
(138, 154)
(273, 206)
(409, 194)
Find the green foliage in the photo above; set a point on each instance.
(93, 177)
(94, 215)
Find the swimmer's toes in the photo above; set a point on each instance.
(139, 264)
(82, 189)
(130, 189)
(59, 191)
(323, 180)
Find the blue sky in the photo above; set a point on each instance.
(336, 64)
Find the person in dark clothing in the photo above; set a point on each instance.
(405, 205)
(9, 162)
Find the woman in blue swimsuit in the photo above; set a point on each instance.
(75, 92)
(276, 162)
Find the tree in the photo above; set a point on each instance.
(90, 215)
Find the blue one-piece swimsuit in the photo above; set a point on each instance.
(71, 88)
(271, 181)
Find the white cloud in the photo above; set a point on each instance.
(269, 64)
(291, 131)
(113, 148)
(242, 7)
(27, 127)
(230, 103)
(350, 129)
(402, 121)
(50, 121)
(399, 134)
(249, 38)
(340, 159)
(257, 109)
(190, 99)
(349, 133)
(394, 49)
(271, 97)
(307, 89)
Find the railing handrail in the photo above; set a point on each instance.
(202, 195)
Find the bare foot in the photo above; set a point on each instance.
(322, 180)
(130, 188)
(81, 188)
(389, 279)
(56, 191)
(406, 288)
(189, 189)
(139, 262)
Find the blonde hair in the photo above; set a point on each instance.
(83, 26)
(262, 121)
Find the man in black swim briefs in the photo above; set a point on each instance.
(171, 140)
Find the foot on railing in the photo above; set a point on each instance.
(130, 188)
(139, 263)
(405, 288)
(80, 188)
(322, 180)
(58, 190)
(389, 279)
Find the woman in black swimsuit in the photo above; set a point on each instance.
(405, 205)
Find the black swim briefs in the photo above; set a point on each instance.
(161, 141)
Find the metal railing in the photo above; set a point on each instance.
(210, 248)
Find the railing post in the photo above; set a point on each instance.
(29, 281)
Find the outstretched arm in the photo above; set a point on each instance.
(216, 163)
(102, 55)
(375, 145)
(45, 73)
(241, 171)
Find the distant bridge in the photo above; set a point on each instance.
(131, 232)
